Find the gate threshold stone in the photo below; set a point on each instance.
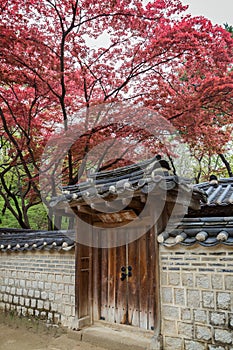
(116, 337)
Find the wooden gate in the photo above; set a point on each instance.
(119, 285)
(127, 287)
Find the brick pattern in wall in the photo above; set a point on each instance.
(197, 298)
(41, 284)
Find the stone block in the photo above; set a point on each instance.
(44, 295)
(41, 285)
(19, 291)
(59, 278)
(51, 296)
(163, 278)
(37, 294)
(40, 304)
(171, 343)
(22, 283)
(193, 298)
(11, 282)
(33, 303)
(28, 284)
(202, 281)
(179, 296)
(167, 296)
(224, 301)
(169, 327)
(21, 301)
(66, 279)
(46, 305)
(51, 277)
(229, 282)
(223, 336)
(15, 299)
(185, 329)
(208, 299)
(217, 281)
(217, 318)
(35, 284)
(215, 347)
(31, 293)
(174, 278)
(170, 312)
(60, 286)
(186, 314)
(13, 290)
(203, 333)
(47, 285)
(200, 316)
(71, 290)
(54, 287)
(193, 345)
(27, 302)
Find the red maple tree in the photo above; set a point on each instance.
(58, 56)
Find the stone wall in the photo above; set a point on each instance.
(40, 284)
(197, 298)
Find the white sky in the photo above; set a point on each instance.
(218, 11)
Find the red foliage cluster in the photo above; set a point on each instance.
(58, 56)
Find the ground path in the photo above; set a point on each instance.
(14, 337)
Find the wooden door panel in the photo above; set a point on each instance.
(133, 284)
(131, 301)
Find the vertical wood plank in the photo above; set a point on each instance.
(111, 284)
(96, 283)
(133, 284)
(104, 284)
(121, 286)
(143, 281)
(151, 275)
(83, 281)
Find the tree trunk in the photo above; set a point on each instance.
(227, 164)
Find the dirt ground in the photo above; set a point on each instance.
(19, 337)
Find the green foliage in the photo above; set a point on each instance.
(7, 220)
(37, 217)
(229, 28)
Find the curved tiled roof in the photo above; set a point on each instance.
(219, 192)
(142, 178)
(16, 240)
(212, 224)
(206, 231)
